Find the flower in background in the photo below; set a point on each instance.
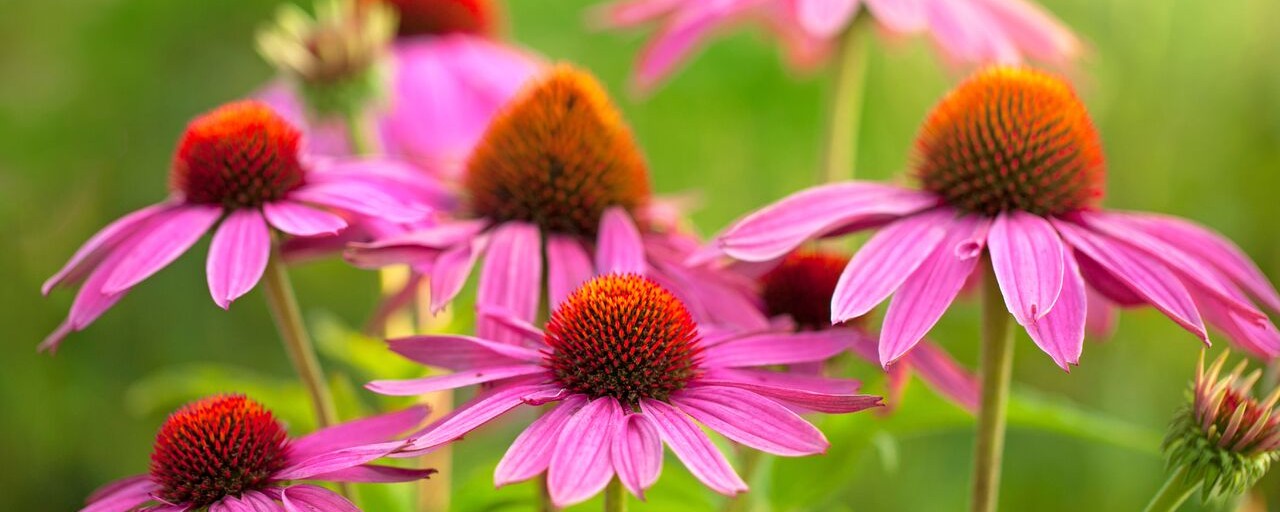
(1012, 167)
(230, 453)
(238, 168)
(628, 370)
(1003, 31)
(797, 290)
(557, 174)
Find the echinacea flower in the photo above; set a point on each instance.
(229, 453)
(979, 31)
(1011, 167)
(238, 172)
(628, 370)
(556, 175)
(797, 290)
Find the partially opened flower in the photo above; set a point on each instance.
(238, 172)
(977, 31)
(1011, 167)
(628, 370)
(229, 453)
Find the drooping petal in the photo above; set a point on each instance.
(471, 415)
(582, 460)
(370, 430)
(568, 266)
(693, 448)
(751, 419)
(104, 241)
(301, 220)
(531, 452)
(832, 403)
(310, 498)
(792, 379)
(342, 458)
(619, 249)
(1100, 313)
(362, 198)
(167, 236)
(511, 278)
(637, 454)
(370, 473)
(776, 348)
(925, 295)
(456, 352)
(451, 270)
(121, 496)
(1027, 257)
(1034, 30)
(779, 228)
(943, 374)
(678, 39)
(887, 259)
(1061, 332)
(625, 13)
(237, 256)
(825, 18)
(462, 378)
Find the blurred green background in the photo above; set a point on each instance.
(95, 92)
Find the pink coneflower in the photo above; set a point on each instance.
(237, 168)
(557, 174)
(799, 288)
(1012, 167)
(628, 370)
(229, 453)
(1004, 31)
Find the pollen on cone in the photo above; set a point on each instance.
(240, 154)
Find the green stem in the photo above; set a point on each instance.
(844, 119)
(544, 495)
(750, 464)
(293, 332)
(360, 132)
(1174, 491)
(997, 363)
(614, 499)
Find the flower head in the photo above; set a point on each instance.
(441, 17)
(1225, 438)
(240, 155)
(230, 451)
(801, 285)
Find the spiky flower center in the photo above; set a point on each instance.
(557, 156)
(623, 336)
(216, 447)
(241, 154)
(439, 17)
(1012, 139)
(801, 287)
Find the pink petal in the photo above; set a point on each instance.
(237, 256)
(898, 15)
(776, 348)
(792, 379)
(751, 419)
(511, 278)
(711, 298)
(456, 352)
(369, 473)
(1034, 30)
(309, 498)
(1061, 333)
(944, 375)
(568, 267)
(682, 34)
(122, 495)
(625, 13)
(364, 198)
(530, 453)
(89, 255)
(832, 403)
(301, 220)
(779, 228)
(825, 18)
(456, 380)
(342, 458)
(887, 259)
(1100, 314)
(925, 295)
(1258, 338)
(167, 236)
(1027, 257)
(693, 448)
(451, 269)
(472, 415)
(637, 454)
(1106, 284)
(618, 247)
(582, 462)
(258, 502)
(1158, 285)
(370, 430)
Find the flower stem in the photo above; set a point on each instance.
(844, 117)
(997, 363)
(297, 342)
(360, 133)
(750, 465)
(614, 499)
(544, 495)
(1174, 491)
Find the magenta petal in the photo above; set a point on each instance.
(943, 374)
(327, 462)
(363, 198)
(531, 452)
(471, 415)
(456, 352)
(925, 295)
(776, 348)
(619, 249)
(370, 473)
(831, 403)
(375, 429)
(258, 502)
(1034, 30)
(1259, 338)
(167, 236)
(751, 419)
(625, 13)
(825, 18)
(309, 498)
(568, 267)
(779, 228)
(792, 379)
(687, 28)
(122, 495)
(582, 461)
(100, 244)
(887, 259)
(693, 448)
(1027, 257)
(1146, 276)
(1061, 332)
(637, 454)
(302, 220)
(424, 385)
(901, 16)
(451, 269)
(511, 278)
(237, 256)
(1100, 313)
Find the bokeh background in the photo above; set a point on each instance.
(94, 94)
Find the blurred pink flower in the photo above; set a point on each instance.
(978, 31)
(1012, 167)
(629, 370)
(239, 168)
(228, 453)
